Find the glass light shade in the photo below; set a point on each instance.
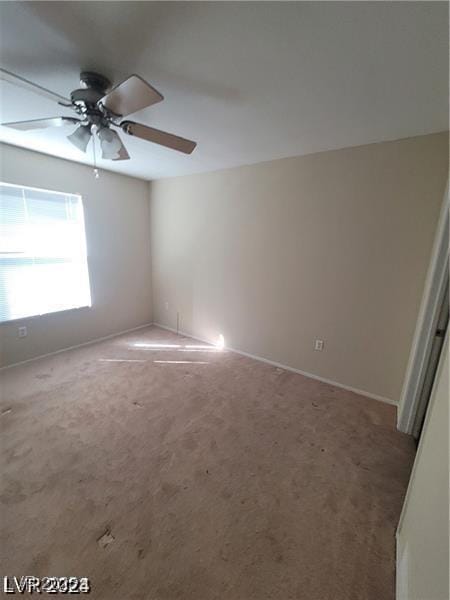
(110, 143)
(80, 137)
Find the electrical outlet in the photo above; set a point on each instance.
(318, 345)
(166, 304)
(23, 331)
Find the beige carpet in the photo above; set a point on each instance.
(213, 477)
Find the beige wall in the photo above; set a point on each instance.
(117, 229)
(333, 245)
(423, 534)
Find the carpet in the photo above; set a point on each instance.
(164, 469)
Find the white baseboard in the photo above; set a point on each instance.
(247, 354)
(101, 339)
(287, 368)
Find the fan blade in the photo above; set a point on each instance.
(29, 85)
(156, 136)
(41, 123)
(131, 95)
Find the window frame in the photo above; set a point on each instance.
(72, 308)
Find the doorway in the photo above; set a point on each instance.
(433, 362)
(430, 332)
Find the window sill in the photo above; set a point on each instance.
(35, 317)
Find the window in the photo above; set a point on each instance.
(43, 261)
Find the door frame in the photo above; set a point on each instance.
(433, 296)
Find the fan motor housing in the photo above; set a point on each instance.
(87, 96)
(93, 87)
(95, 81)
(85, 99)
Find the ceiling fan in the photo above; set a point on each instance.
(101, 108)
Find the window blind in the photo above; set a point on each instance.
(43, 259)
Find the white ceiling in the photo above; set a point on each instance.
(249, 81)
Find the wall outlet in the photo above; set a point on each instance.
(23, 331)
(318, 345)
(166, 305)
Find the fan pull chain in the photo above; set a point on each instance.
(96, 173)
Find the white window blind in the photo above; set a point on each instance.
(43, 261)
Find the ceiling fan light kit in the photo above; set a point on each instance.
(100, 110)
(110, 143)
(80, 137)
